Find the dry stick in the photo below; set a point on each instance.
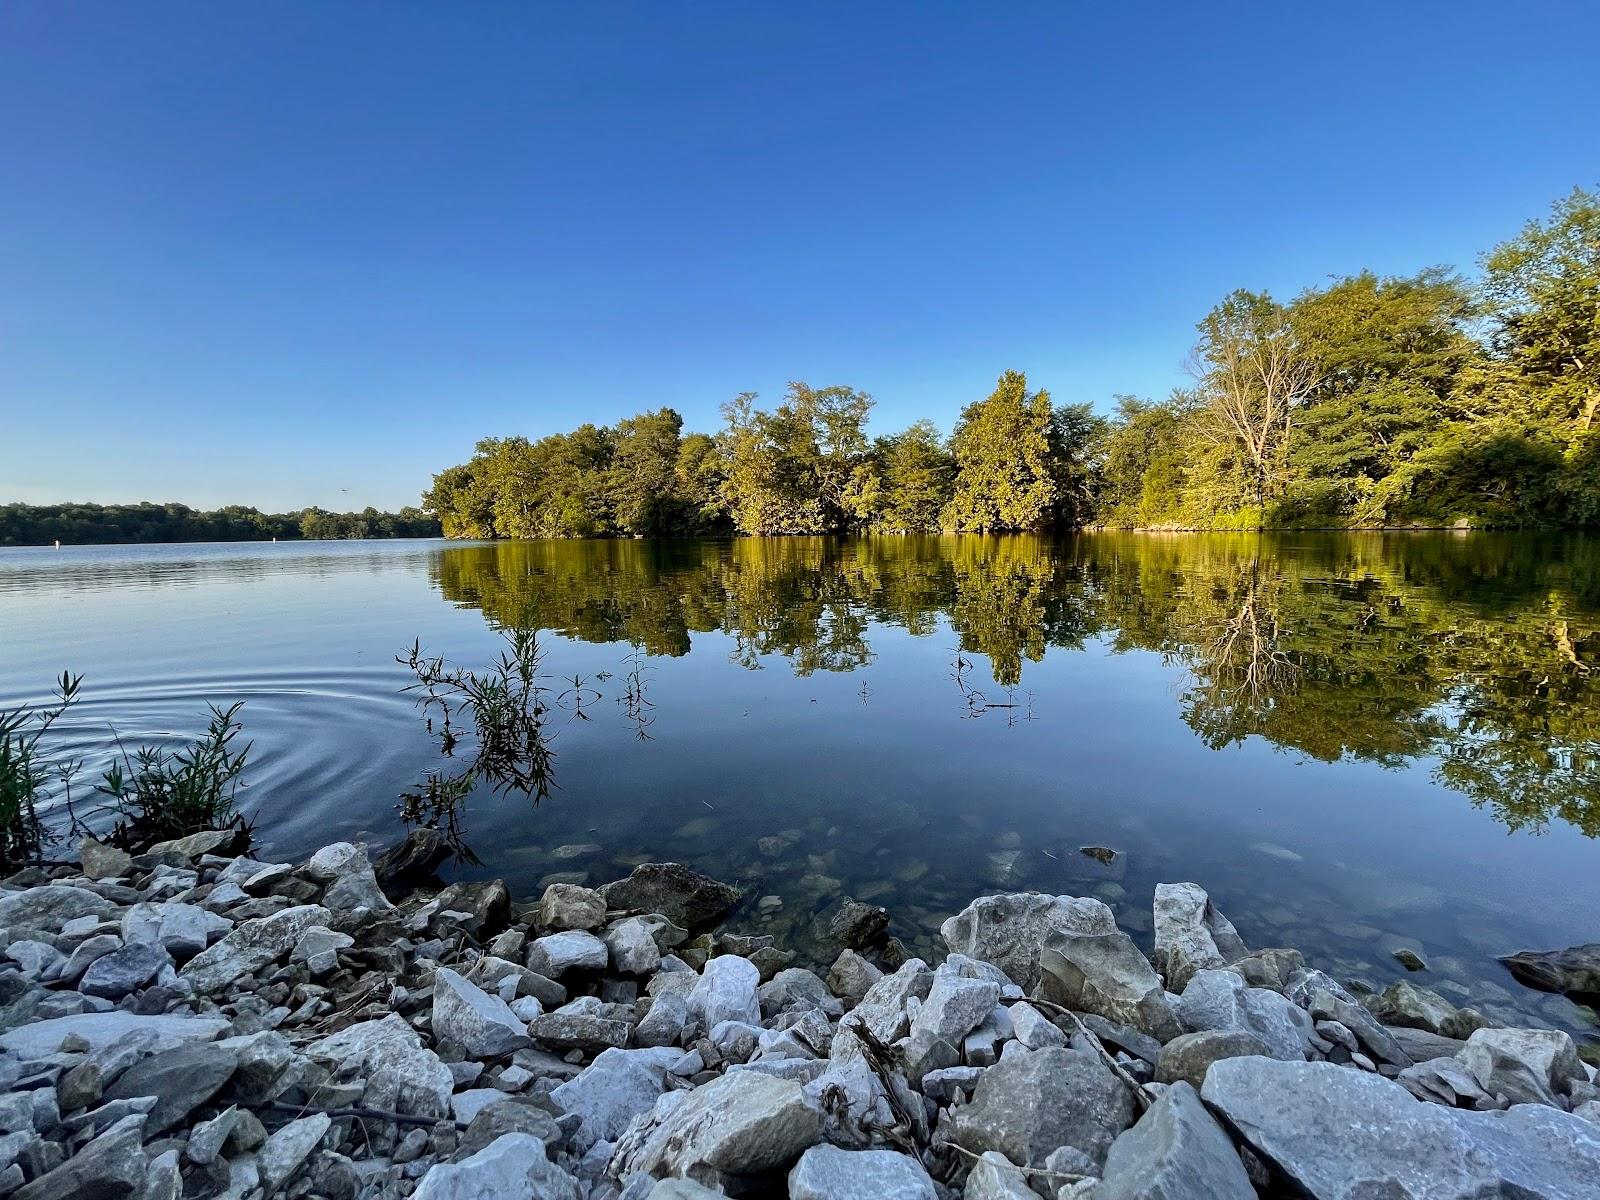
(1066, 1176)
(360, 1114)
(877, 1055)
(1140, 1096)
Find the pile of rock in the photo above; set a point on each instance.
(194, 1022)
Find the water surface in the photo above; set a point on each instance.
(1356, 742)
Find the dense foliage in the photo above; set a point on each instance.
(100, 524)
(1424, 399)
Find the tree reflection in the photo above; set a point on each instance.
(1477, 653)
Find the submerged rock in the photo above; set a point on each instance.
(1574, 972)
(684, 897)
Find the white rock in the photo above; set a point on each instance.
(829, 1173)
(513, 1165)
(43, 1038)
(618, 1086)
(726, 991)
(557, 953)
(633, 949)
(482, 1025)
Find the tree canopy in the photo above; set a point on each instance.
(1424, 399)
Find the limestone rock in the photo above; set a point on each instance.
(851, 976)
(1190, 1056)
(482, 1025)
(1191, 934)
(996, 1177)
(110, 1167)
(1010, 930)
(568, 906)
(181, 1079)
(411, 861)
(250, 947)
(829, 1173)
(514, 1165)
(399, 1072)
(632, 947)
(1526, 1066)
(557, 953)
(740, 1123)
(288, 1148)
(352, 892)
(124, 970)
(617, 1087)
(1220, 1000)
(1034, 1101)
(1105, 974)
(1176, 1152)
(1340, 1134)
(726, 992)
(99, 1030)
(1418, 1008)
(103, 862)
(52, 906)
(1574, 972)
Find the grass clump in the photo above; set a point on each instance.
(27, 780)
(161, 794)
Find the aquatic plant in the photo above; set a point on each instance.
(159, 794)
(25, 775)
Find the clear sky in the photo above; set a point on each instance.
(307, 253)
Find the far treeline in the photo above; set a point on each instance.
(102, 524)
(1427, 400)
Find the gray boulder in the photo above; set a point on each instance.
(286, 1151)
(1191, 934)
(829, 1173)
(570, 906)
(100, 1030)
(741, 1123)
(579, 1031)
(632, 947)
(1220, 1000)
(181, 1080)
(514, 1165)
(1033, 1102)
(617, 1087)
(1105, 974)
(1010, 930)
(251, 946)
(1525, 1066)
(1189, 1057)
(996, 1177)
(953, 1009)
(1334, 1133)
(400, 1074)
(103, 862)
(1177, 1151)
(124, 970)
(573, 950)
(726, 991)
(684, 897)
(412, 860)
(110, 1167)
(52, 906)
(851, 976)
(482, 1025)
(352, 892)
(1415, 1007)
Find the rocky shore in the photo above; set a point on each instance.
(194, 1022)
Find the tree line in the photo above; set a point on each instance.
(95, 524)
(1427, 399)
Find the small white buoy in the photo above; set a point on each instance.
(58, 543)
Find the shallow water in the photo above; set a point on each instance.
(1354, 741)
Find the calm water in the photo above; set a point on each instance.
(1355, 742)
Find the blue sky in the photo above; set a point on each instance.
(287, 253)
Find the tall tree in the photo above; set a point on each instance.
(1543, 287)
(1253, 375)
(1005, 478)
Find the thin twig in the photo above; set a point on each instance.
(360, 1114)
(1065, 1176)
(1140, 1096)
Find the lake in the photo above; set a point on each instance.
(1355, 742)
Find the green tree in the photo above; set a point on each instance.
(1005, 478)
(790, 470)
(908, 482)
